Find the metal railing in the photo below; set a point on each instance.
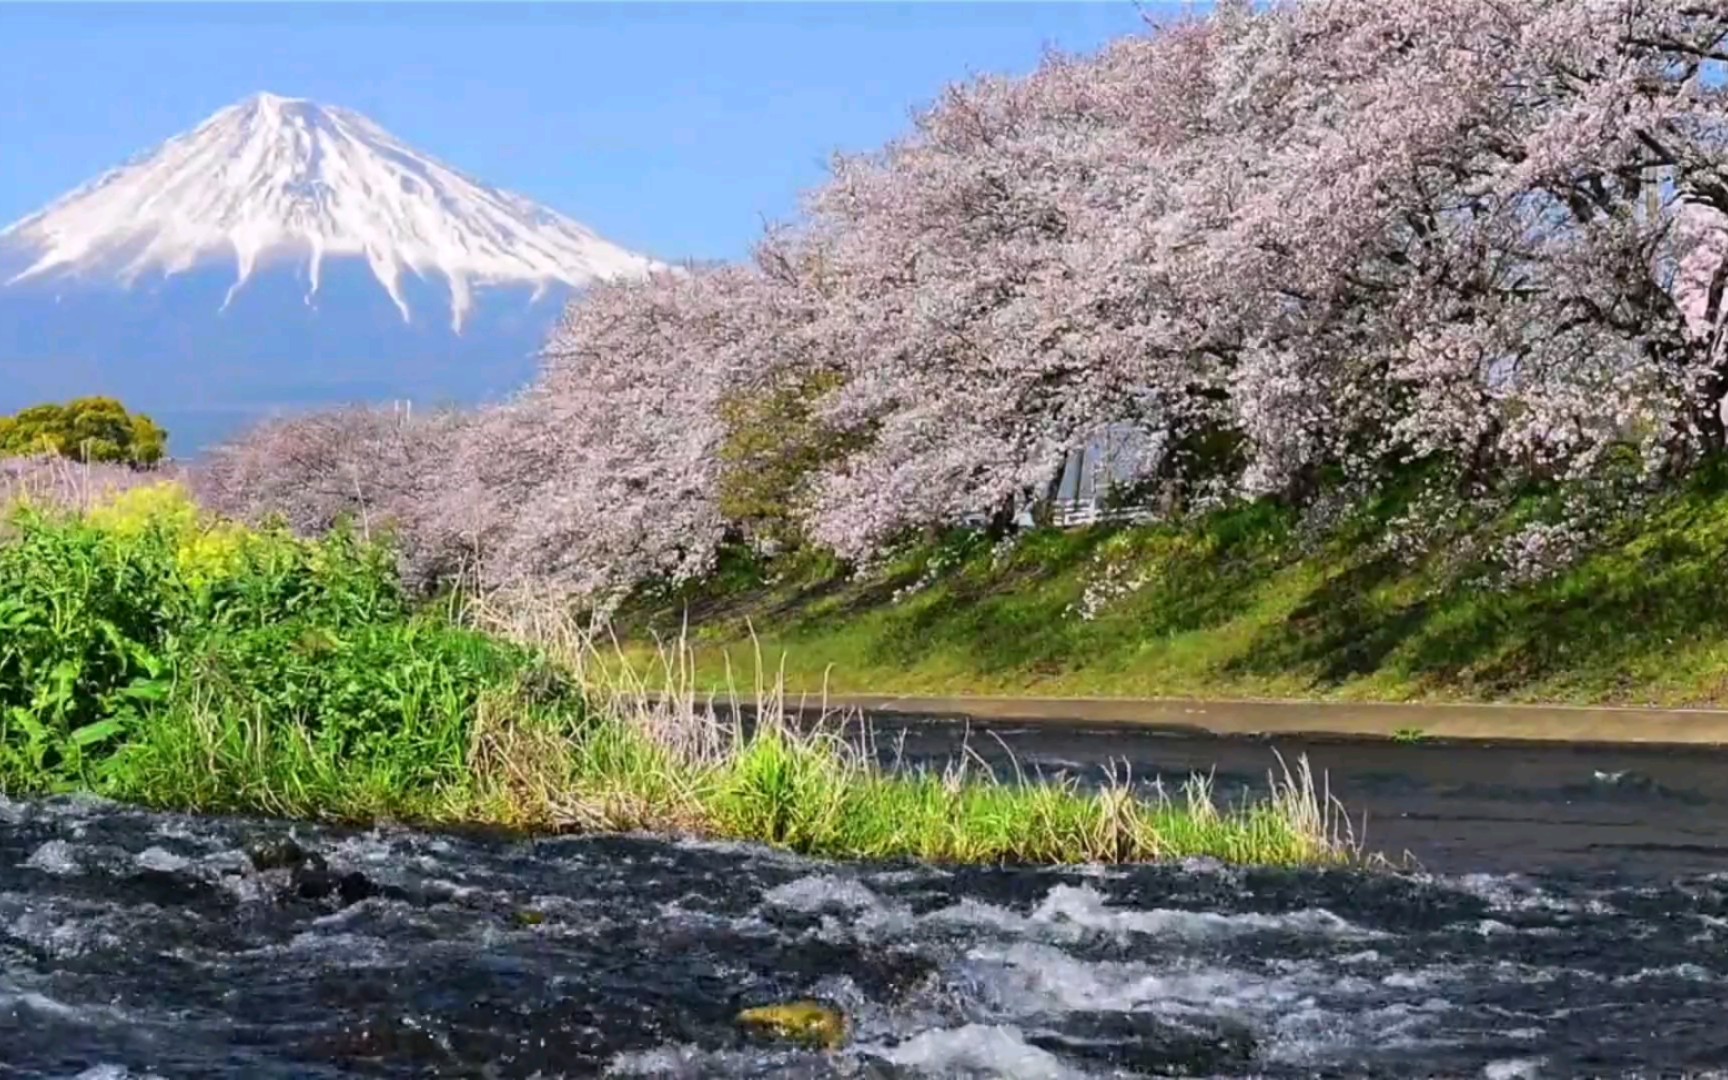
(1070, 515)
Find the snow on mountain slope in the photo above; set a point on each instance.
(276, 179)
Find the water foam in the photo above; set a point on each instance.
(55, 857)
(59, 933)
(993, 1050)
(1009, 969)
(1514, 1069)
(160, 859)
(1068, 913)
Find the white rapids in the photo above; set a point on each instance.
(137, 944)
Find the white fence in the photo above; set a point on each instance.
(1071, 515)
(1092, 472)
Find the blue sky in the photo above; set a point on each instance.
(675, 129)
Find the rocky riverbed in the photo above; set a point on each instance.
(138, 944)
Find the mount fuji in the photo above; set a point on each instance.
(285, 254)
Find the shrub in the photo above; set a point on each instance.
(157, 654)
(88, 429)
(101, 615)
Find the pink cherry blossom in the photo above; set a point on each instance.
(1267, 245)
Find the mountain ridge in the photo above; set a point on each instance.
(283, 253)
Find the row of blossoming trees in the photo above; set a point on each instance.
(1296, 247)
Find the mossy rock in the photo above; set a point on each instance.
(808, 1023)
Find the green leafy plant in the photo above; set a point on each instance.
(154, 654)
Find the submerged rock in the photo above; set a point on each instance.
(809, 1023)
(280, 854)
(309, 876)
(1136, 1040)
(320, 884)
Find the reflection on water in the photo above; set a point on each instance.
(1566, 924)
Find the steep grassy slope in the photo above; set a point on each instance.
(1251, 603)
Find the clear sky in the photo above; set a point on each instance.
(673, 129)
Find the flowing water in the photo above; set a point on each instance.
(1570, 919)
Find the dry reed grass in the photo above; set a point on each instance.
(759, 767)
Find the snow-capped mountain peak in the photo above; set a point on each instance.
(277, 178)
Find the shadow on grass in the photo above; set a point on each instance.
(1233, 603)
(1604, 627)
(1023, 618)
(995, 620)
(1340, 631)
(1598, 630)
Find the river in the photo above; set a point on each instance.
(1566, 915)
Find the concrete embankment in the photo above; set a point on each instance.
(1462, 722)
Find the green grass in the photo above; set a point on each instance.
(1238, 604)
(154, 655)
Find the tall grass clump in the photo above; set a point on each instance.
(751, 767)
(154, 653)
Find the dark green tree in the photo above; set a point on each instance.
(91, 429)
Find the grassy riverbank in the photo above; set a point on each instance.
(151, 654)
(1251, 603)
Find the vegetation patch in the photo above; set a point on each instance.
(152, 653)
(1255, 601)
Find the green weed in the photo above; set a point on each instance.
(152, 654)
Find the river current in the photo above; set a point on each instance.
(1567, 915)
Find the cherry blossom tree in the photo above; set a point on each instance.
(610, 468)
(989, 300)
(376, 467)
(1275, 245)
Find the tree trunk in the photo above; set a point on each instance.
(1712, 431)
(1044, 510)
(1304, 486)
(1478, 466)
